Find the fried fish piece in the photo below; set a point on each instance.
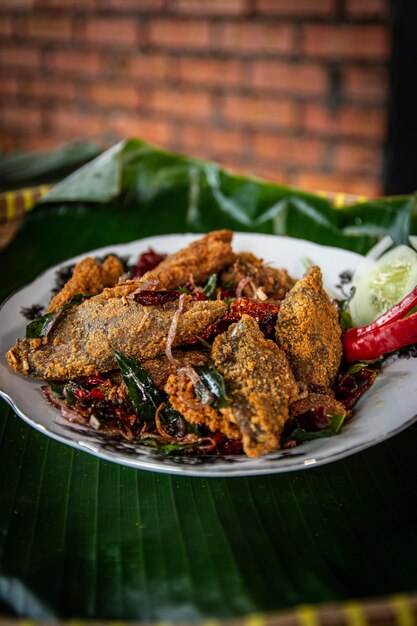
(89, 278)
(196, 262)
(315, 401)
(309, 332)
(259, 382)
(83, 341)
(193, 264)
(182, 397)
(159, 368)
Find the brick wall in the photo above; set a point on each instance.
(292, 90)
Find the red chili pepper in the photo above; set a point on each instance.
(389, 332)
(147, 261)
(95, 394)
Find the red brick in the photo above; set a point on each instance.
(111, 30)
(41, 143)
(144, 66)
(292, 151)
(86, 5)
(113, 95)
(6, 26)
(211, 71)
(40, 88)
(348, 41)
(315, 181)
(70, 124)
(213, 141)
(16, 5)
(255, 37)
(126, 125)
(270, 173)
(347, 121)
(136, 5)
(367, 8)
(293, 78)
(21, 57)
(9, 86)
(270, 147)
(179, 34)
(21, 117)
(357, 159)
(53, 28)
(302, 8)
(308, 152)
(189, 104)
(74, 62)
(370, 85)
(213, 7)
(261, 112)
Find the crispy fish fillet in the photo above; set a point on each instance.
(315, 401)
(309, 332)
(193, 264)
(182, 397)
(196, 262)
(88, 278)
(259, 383)
(83, 341)
(159, 368)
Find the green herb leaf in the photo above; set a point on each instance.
(335, 425)
(169, 448)
(42, 326)
(210, 288)
(143, 393)
(345, 318)
(360, 365)
(57, 388)
(212, 383)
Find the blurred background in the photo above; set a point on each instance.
(296, 91)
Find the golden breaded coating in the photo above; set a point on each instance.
(259, 383)
(83, 341)
(274, 283)
(193, 264)
(315, 401)
(196, 262)
(309, 332)
(88, 278)
(180, 388)
(159, 368)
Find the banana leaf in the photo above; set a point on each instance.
(26, 168)
(85, 538)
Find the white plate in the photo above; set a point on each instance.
(386, 409)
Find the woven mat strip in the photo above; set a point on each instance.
(396, 610)
(14, 204)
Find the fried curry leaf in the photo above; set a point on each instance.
(211, 384)
(345, 318)
(360, 365)
(65, 391)
(42, 326)
(210, 288)
(169, 447)
(334, 427)
(143, 394)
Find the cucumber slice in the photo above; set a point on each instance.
(385, 283)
